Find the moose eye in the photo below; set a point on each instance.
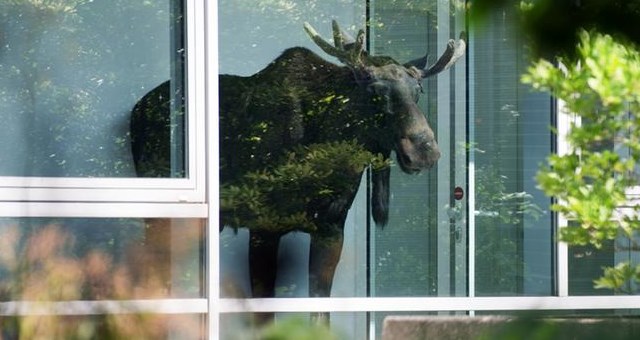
(379, 88)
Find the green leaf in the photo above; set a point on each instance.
(601, 87)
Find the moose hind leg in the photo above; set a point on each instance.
(263, 267)
(323, 259)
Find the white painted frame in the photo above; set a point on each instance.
(65, 197)
(190, 189)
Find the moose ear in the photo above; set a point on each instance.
(454, 51)
(419, 63)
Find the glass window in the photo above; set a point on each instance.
(270, 125)
(346, 173)
(70, 259)
(282, 166)
(118, 326)
(96, 101)
(423, 249)
(296, 325)
(586, 264)
(513, 226)
(92, 89)
(297, 110)
(298, 208)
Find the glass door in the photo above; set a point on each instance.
(512, 246)
(423, 249)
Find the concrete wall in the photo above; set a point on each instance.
(492, 327)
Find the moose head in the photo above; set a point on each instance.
(398, 88)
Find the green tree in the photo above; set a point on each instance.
(305, 175)
(590, 181)
(69, 73)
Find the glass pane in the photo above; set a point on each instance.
(100, 259)
(298, 129)
(422, 251)
(73, 74)
(119, 326)
(294, 326)
(288, 177)
(514, 229)
(588, 263)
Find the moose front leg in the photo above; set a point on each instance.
(263, 267)
(323, 259)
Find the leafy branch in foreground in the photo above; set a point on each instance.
(601, 89)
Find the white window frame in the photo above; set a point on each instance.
(191, 189)
(67, 197)
(564, 121)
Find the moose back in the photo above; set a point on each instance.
(295, 139)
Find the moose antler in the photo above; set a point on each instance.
(347, 51)
(455, 50)
(352, 53)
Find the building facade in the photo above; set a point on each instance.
(473, 235)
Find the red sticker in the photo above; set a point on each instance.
(458, 193)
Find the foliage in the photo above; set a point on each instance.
(619, 277)
(53, 6)
(590, 181)
(297, 329)
(43, 269)
(554, 26)
(71, 70)
(276, 198)
(495, 200)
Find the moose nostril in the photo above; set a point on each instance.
(405, 158)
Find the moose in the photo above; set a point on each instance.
(297, 113)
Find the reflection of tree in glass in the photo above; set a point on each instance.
(499, 216)
(69, 75)
(262, 199)
(495, 200)
(42, 267)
